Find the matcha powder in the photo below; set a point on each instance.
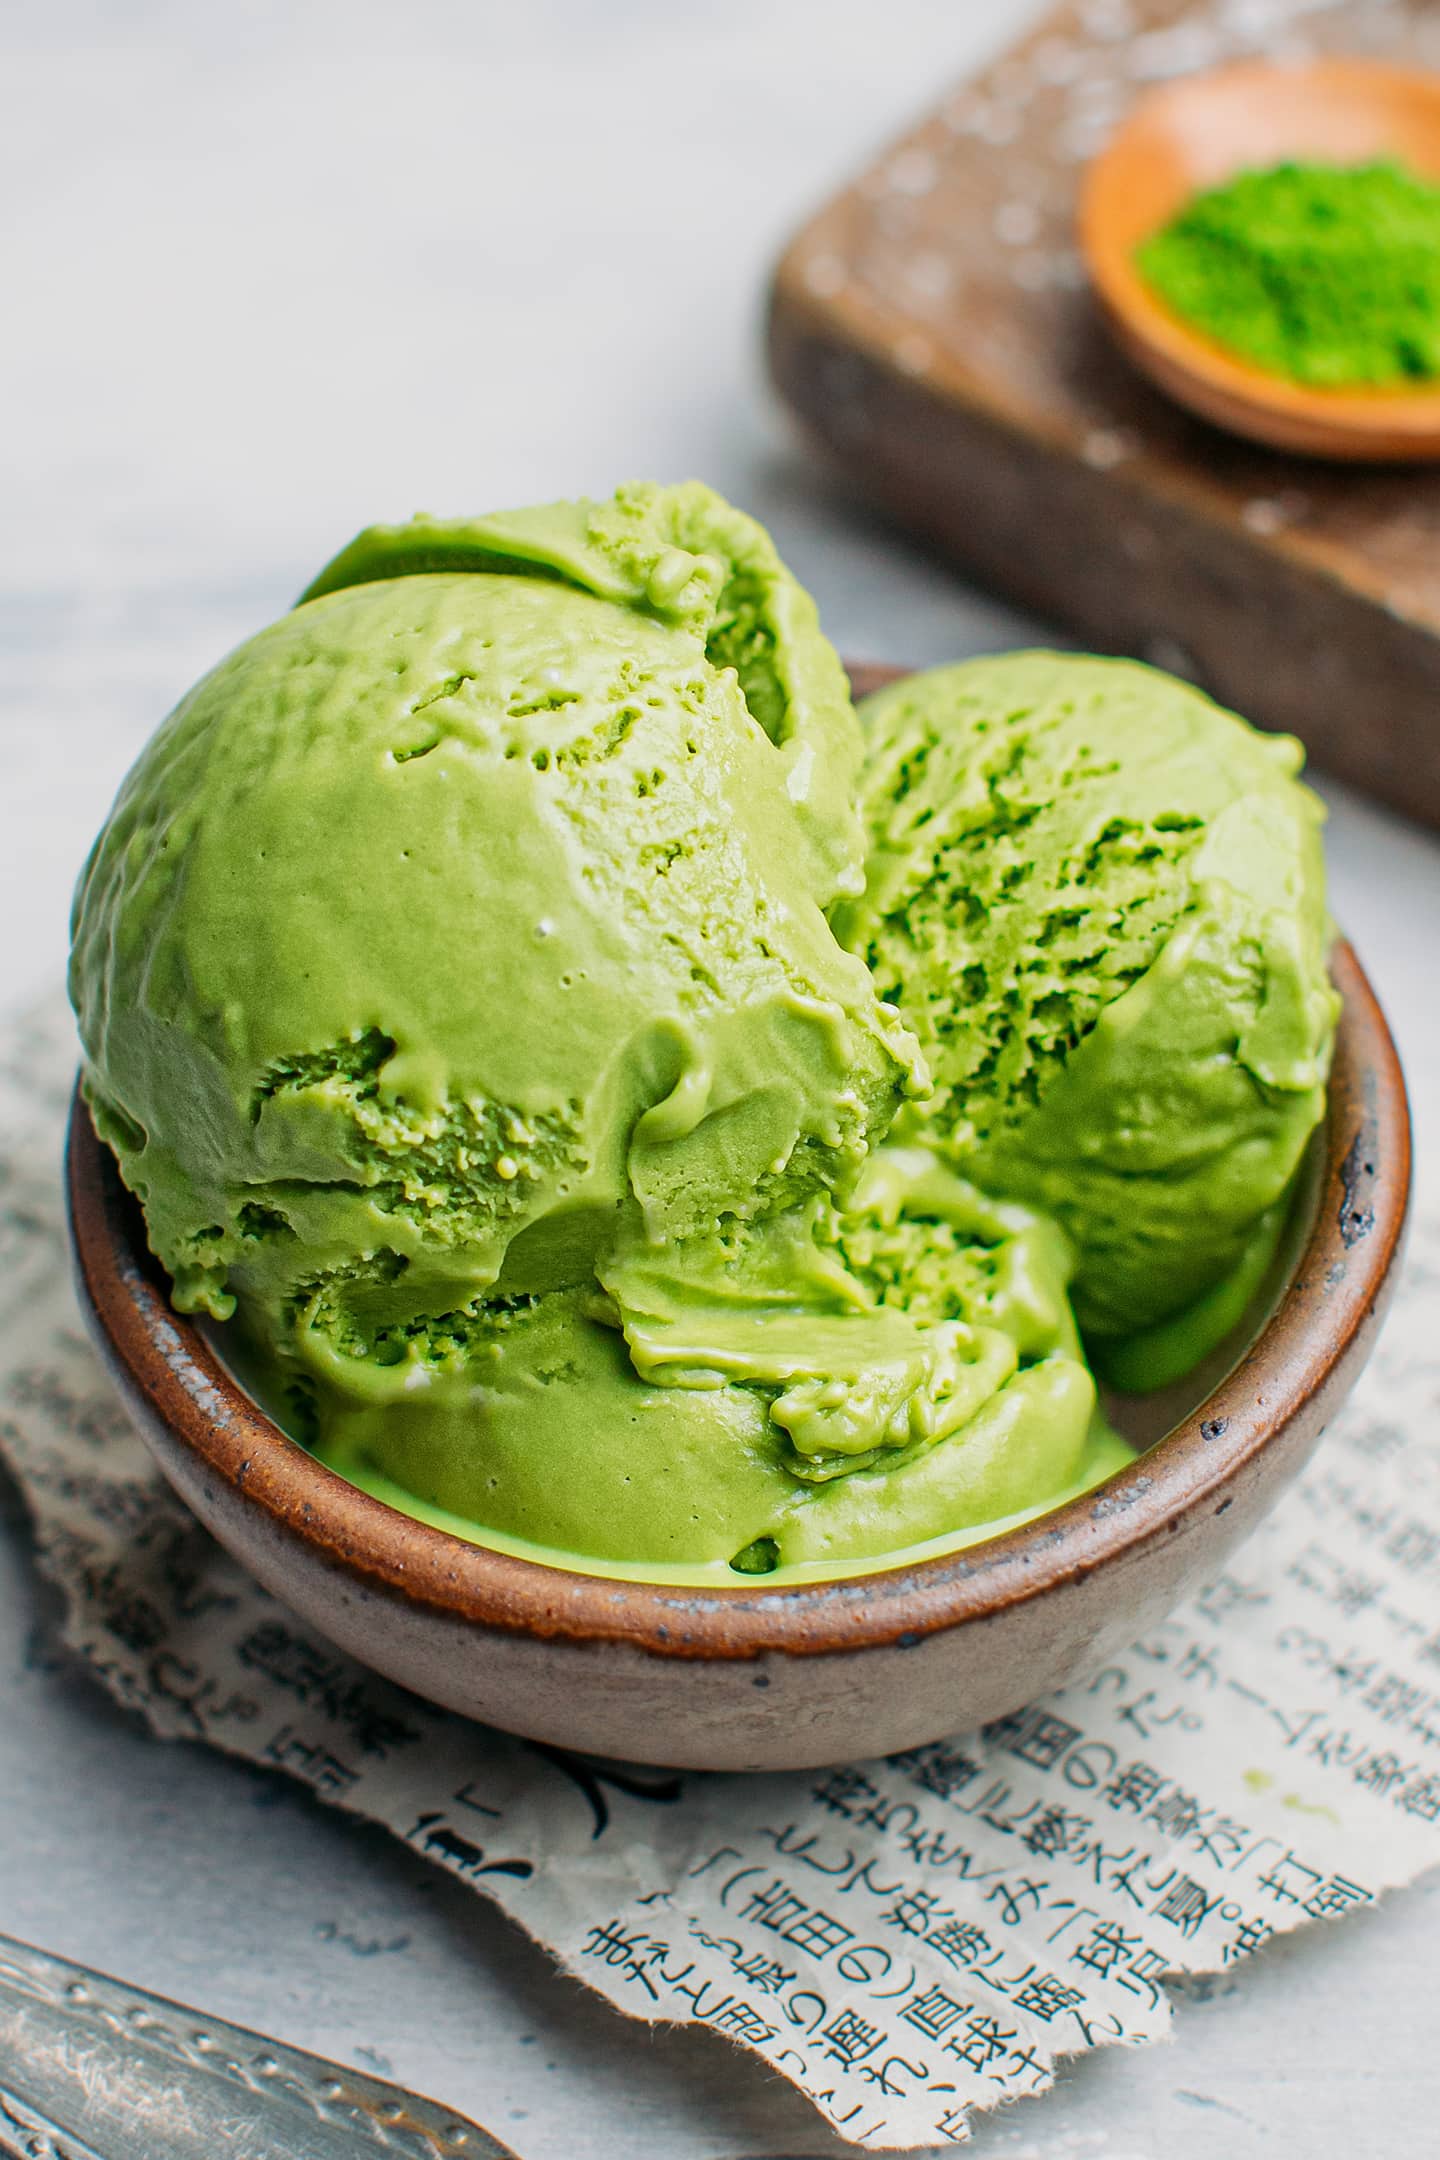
(1328, 274)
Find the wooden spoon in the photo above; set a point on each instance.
(1199, 132)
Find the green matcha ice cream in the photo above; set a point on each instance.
(1100, 901)
(463, 905)
(459, 1000)
(799, 1392)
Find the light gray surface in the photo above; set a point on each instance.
(287, 267)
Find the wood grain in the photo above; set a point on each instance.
(933, 329)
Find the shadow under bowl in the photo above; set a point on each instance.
(752, 1678)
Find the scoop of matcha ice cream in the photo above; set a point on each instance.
(1101, 900)
(461, 907)
(459, 1000)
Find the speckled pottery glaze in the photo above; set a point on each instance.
(749, 1678)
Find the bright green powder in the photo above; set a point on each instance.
(1328, 274)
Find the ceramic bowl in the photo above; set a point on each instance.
(1196, 133)
(753, 1678)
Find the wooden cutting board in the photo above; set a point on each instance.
(933, 330)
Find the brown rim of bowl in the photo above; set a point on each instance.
(1326, 1312)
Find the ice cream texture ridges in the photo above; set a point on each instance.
(460, 999)
(1102, 898)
